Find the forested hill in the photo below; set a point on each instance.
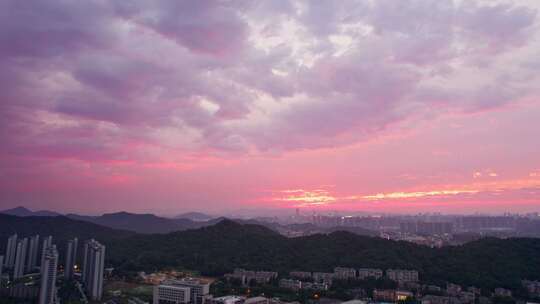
(220, 248)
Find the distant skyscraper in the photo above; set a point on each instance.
(47, 242)
(32, 253)
(11, 250)
(48, 275)
(20, 258)
(93, 266)
(71, 258)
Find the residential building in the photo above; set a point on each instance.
(533, 287)
(170, 293)
(20, 258)
(71, 258)
(11, 251)
(246, 276)
(364, 273)
(32, 253)
(431, 299)
(387, 295)
(401, 276)
(315, 286)
(47, 242)
(390, 295)
(47, 291)
(93, 267)
(453, 289)
(324, 277)
(344, 273)
(502, 292)
(290, 284)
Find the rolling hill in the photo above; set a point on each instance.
(217, 249)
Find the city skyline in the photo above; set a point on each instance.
(268, 106)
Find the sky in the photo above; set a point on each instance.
(226, 106)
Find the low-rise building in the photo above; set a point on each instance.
(502, 292)
(401, 275)
(533, 287)
(344, 273)
(431, 299)
(453, 289)
(390, 295)
(323, 277)
(364, 273)
(315, 286)
(246, 276)
(290, 284)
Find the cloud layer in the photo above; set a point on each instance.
(174, 82)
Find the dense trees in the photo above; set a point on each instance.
(215, 250)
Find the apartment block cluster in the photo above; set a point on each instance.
(323, 280)
(27, 279)
(247, 276)
(532, 287)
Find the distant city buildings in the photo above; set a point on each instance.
(49, 266)
(93, 268)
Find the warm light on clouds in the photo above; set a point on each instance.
(304, 198)
(419, 194)
(179, 105)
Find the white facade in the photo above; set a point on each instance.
(93, 267)
(47, 290)
(71, 258)
(171, 294)
(47, 242)
(11, 251)
(20, 258)
(32, 253)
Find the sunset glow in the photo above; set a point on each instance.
(227, 106)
